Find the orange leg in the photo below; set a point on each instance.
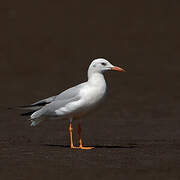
(80, 139)
(71, 138)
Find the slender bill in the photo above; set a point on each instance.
(115, 68)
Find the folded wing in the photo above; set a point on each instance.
(48, 106)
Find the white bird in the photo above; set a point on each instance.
(76, 101)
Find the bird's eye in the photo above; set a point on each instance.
(103, 63)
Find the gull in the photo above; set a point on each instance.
(76, 101)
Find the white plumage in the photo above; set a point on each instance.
(76, 101)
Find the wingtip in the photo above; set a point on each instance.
(29, 113)
(16, 107)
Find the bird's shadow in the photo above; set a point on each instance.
(96, 146)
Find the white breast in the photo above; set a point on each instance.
(94, 91)
(90, 94)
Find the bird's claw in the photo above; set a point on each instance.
(81, 147)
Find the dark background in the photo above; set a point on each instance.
(47, 46)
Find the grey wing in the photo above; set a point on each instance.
(61, 100)
(65, 95)
(69, 93)
(39, 104)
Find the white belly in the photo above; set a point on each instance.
(92, 95)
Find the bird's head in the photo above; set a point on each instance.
(101, 65)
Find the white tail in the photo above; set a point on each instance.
(35, 122)
(37, 114)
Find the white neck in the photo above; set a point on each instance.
(96, 79)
